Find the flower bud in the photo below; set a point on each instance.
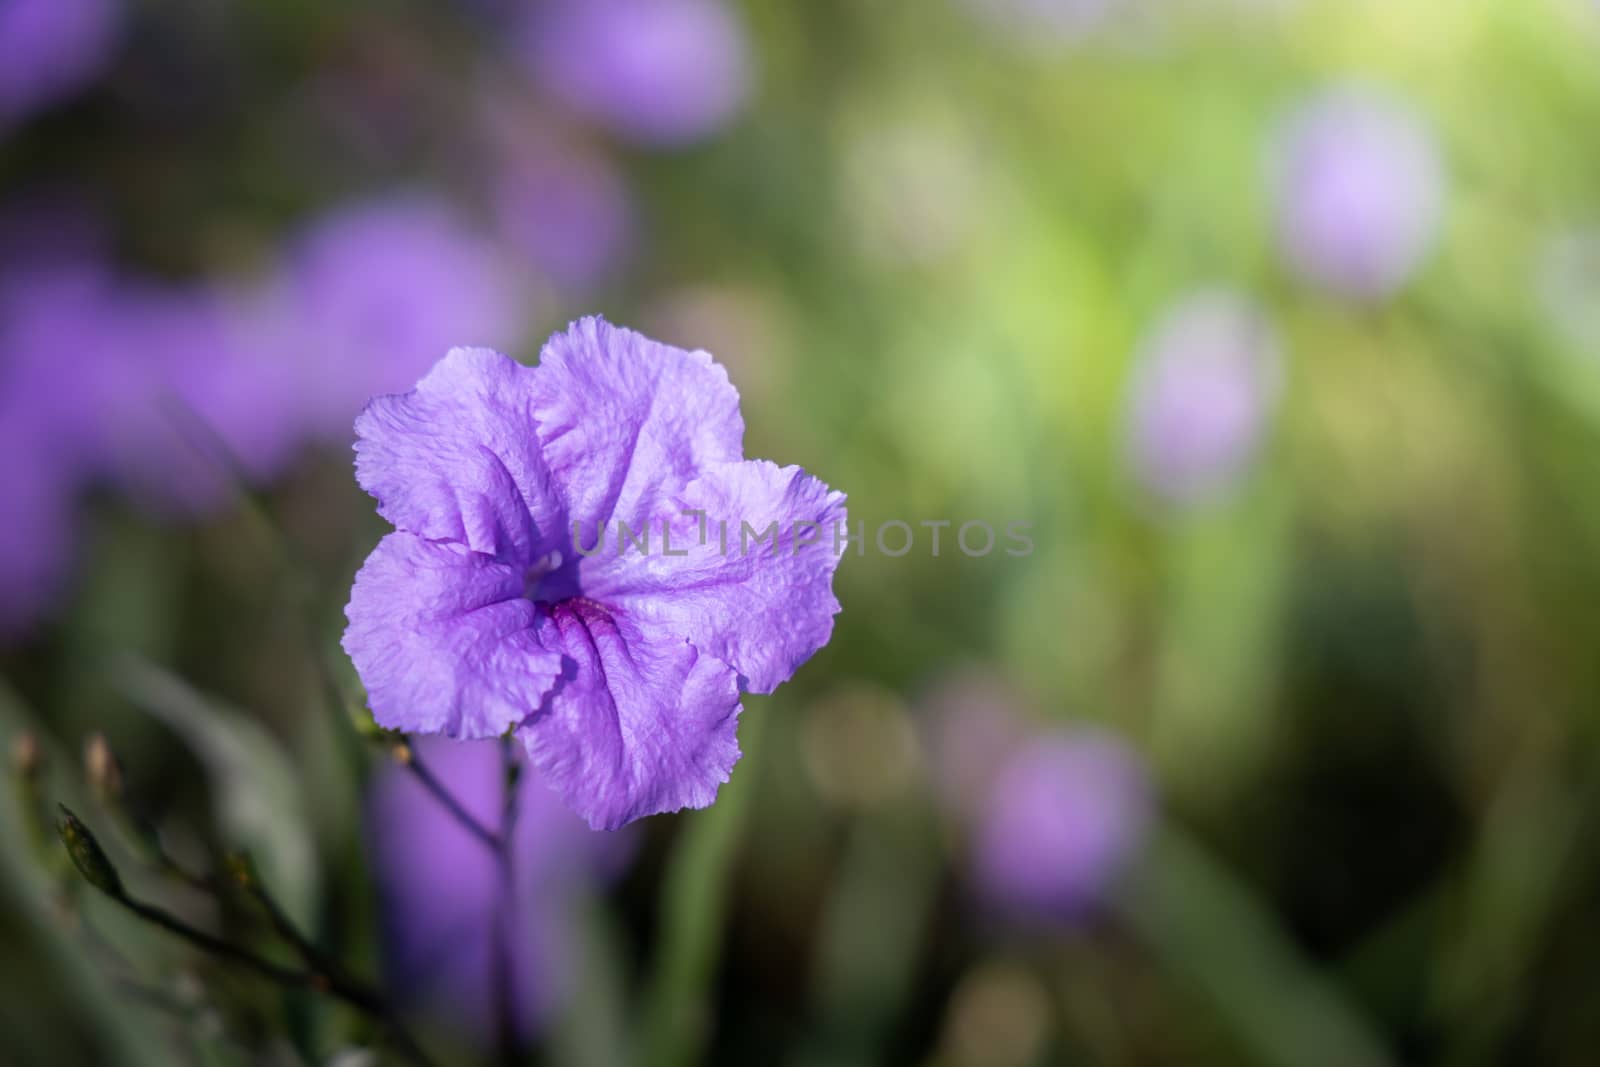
(110, 787)
(103, 769)
(27, 765)
(241, 869)
(27, 758)
(87, 855)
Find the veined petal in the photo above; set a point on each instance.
(444, 640)
(638, 724)
(456, 459)
(625, 420)
(762, 604)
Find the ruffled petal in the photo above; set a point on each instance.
(625, 420)
(761, 604)
(637, 725)
(444, 640)
(456, 459)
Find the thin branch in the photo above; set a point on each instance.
(335, 984)
(406, 753)
(224, 949)
(242, 870)
(339, 982)
(322, 977)
(499, 844)
(504, 917)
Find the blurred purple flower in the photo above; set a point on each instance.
(149, 386)
(1067, 816)
(569, 213)
(621, 675)
(1360, 188)
(189, 404)
(373, 292)
(50, 338)
(38, 535)
(663, 72)
(439, 892)
(1204, 388)
(51, 48)
(153, 388)
(52, 333)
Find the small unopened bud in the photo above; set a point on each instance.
(241, 869)
(110, 787)
(402, 753)
(87, 855)
(103, 769)
(27, 763)
(27, 758)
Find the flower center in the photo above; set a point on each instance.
(551, 578)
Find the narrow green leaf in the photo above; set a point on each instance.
(260, 801)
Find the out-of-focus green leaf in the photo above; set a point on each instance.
(675, 1017)
(259, 799)
(1210, 929)
(593, 1031)
(58, 956)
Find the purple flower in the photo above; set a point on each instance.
(157, 389)
(557, 200)
(154, 387)
(1359, 189)
(376, 290)
(184, 402)
(38, 535)
(569, 213)
(620, 671)
(657, 71)
(1066, 816)
(50, 333)
(1206, 381)
(50, 48)
(439, 893)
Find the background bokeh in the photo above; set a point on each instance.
(1278, 321)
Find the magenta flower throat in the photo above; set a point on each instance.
(559, 568)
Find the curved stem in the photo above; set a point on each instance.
(408, 756)
(335, 984)
(226, 950)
